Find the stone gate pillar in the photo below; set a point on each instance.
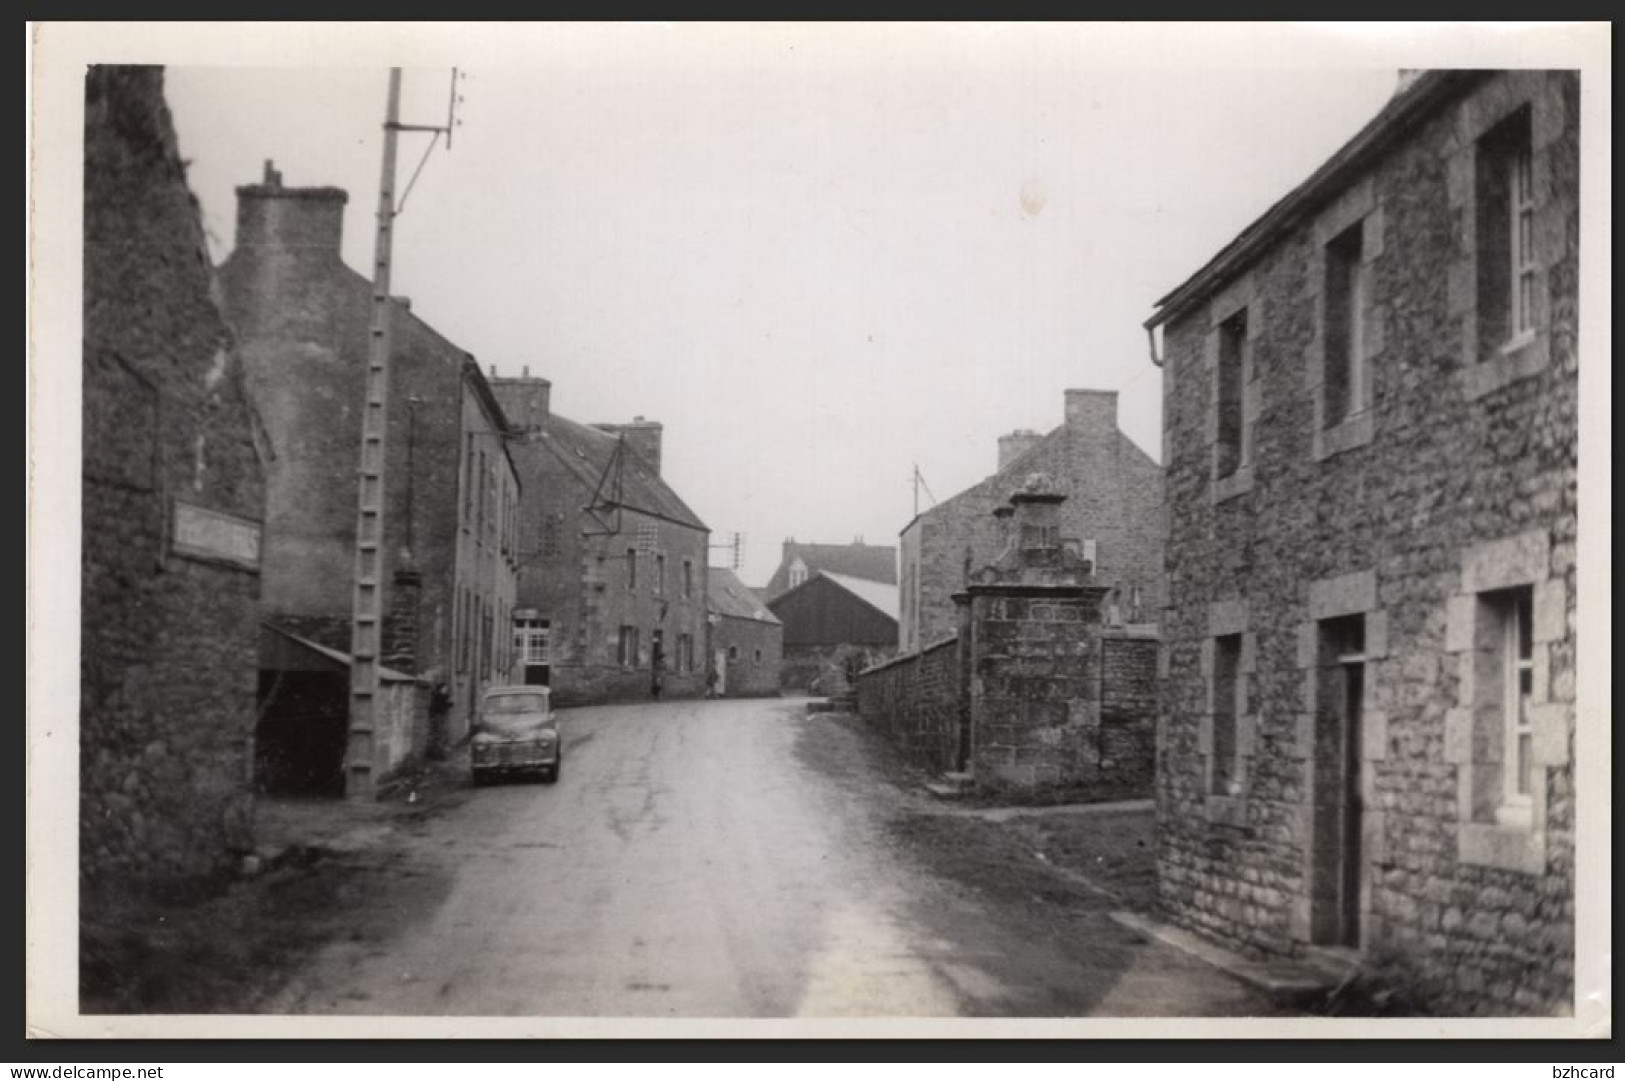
(1033, 652)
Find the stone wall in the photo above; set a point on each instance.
(1458, 481)
(169, 633)
(1129, 699)
(916, 701)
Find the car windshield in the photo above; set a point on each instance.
(510, 704)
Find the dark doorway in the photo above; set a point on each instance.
(299, 741)
(1338, 872)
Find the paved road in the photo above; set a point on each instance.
(723, 859)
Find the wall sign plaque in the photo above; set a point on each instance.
(214, 535)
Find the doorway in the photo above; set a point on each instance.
(1338, 860)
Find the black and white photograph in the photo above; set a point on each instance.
(783, 529)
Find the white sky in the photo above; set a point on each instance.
(819, 255)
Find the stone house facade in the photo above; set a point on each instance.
(1114, 503)
(173, 498)
(747, 639)
(1371, 442)
(611, 594)
(451, 506)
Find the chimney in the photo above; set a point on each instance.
(1092, 412)
(525, 400)
(300, 221)
(1016, 444)
(643, 436)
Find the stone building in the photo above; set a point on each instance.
(173, 496)
(613, 564)
(1114, 504)
(1371, 441)
(1032, 693)
(302, 321)
(747, 639)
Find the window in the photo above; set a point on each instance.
(530, 640)
(1507, 271)
(1225, 775)
(733, 653)
(757, 657)
(631, 568)
(1512, 614)
(798, 572)
(1347, 290)
(628, 652)
(468, 482)
(660, 574)
(685, 653)
(1234, 448)
(688, 579)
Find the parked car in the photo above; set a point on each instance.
(517, 733)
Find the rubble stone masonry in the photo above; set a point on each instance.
(172, 499)
(1397, 536)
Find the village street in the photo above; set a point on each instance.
(736, 859)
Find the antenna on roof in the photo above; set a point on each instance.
(919, 482)
(607, 497)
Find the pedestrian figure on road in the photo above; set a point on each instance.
(657, 667)
(711, 681)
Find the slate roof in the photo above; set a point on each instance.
(874, 562)
(587, 452)
(729, 596)
(881, 596)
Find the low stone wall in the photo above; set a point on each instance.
(1128, 711)
(915, 702)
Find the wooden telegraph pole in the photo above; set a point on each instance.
(366, 631)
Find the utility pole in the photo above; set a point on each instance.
(366, 630)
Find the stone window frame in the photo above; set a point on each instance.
(688, 579)
(1357, 207)
(628, 648)
(1240, 296)
(1478, 116)
(1339, 597)
(1489, 833)
(1225, 619)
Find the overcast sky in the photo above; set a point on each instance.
(818, 255)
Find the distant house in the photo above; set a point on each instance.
(1113, 505)
(613, 576)
(834, 624)
(302, 323)
(799, 562)
(173, 496)
(747, 639)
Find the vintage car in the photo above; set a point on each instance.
(517, 733)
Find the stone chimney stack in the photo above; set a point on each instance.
(298, 221)
(1092, 412)
(643, 436)
(1016, 444)
(525, 400)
